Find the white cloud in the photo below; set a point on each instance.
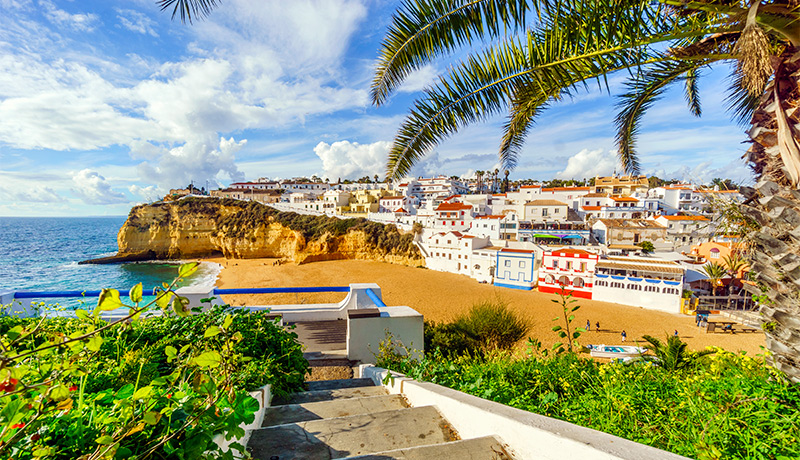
(80, 21)
(703, 173)
(31, 194)
(198, 160)
(351, 160)
(148, 193)
(93, 188)
(136, 22)
(589, 163)
(419, 79)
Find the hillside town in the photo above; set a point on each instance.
(619, 239)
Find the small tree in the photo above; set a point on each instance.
(647, 247)
(673, 355)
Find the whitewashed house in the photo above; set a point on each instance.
(452, 251)
(516, 268)
(545, 210)
(454, 216)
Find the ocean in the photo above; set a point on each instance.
(42, 254)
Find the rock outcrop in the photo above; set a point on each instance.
(203, 227)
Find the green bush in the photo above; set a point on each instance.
(488, 326)
(728, 405)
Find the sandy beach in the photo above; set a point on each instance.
(442, 296)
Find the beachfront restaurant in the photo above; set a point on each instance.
(641, 282)
(554, 233)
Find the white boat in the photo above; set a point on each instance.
(615, 351)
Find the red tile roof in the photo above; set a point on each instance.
(685, 217)
(567, 189)
(453, 207)
(489, 217)
(524, 251)
(590, 208)
(624, 198)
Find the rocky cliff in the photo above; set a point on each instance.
(202, 227)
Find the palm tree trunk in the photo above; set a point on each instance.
(775, 204)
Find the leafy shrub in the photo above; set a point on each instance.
(160, 387)
(727, 406)
(488, 326)
(492, 326)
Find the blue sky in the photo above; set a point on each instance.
(105, 104)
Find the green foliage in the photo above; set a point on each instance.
(673, 355)
(567, 334)
(727, 406)
(486, 327)
(132, 388)
(647, 247)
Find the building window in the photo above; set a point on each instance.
(569, 265)
(544, 212)
(521, 264)
(507, 263)
(583, 267)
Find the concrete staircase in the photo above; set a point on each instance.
(354, 419)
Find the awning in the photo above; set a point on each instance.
(539, 235)
(577, 237)
(639, 267)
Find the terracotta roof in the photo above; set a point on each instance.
(398, 197)
(595, 195)
(489, 217)
(591, 208)
(566, 189)
(624, 198)
(545, 203)
(524, 251)
(685, 217)
(631, 223)
(403, 185)
(531, 186)
(400, 210)
(453, 207)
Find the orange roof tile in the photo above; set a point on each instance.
(590, 208)
(685, 217)
(453, 207)
(489, 217)
(566, 189)
(624, 198)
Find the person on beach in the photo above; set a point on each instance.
(597, 326)
(588, 325)
(624, 336)
(676, 333)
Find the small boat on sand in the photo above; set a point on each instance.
(615, 351)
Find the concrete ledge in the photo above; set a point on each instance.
(526, 434)
(264, 397)
(365, 334)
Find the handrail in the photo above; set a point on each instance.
(280, 290)
(374, 297)
(216, 291)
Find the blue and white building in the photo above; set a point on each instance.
(516, 269)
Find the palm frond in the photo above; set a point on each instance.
(741, 102)
(188, 9)
(424, 29)
(692, 92)
(642, 92)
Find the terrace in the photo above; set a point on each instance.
(351, 328)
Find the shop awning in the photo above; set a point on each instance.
(540, 235)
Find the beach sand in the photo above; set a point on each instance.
(443, 296)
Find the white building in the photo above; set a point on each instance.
(452, 251)
(642, 282)
(687, 230)
(393, 204)
(516, 268)
(454, 216)
(544, 210)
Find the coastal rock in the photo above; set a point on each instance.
(204, 227)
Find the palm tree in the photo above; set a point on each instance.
(479, 176)
(734, 264)
(715, 272)
(673, 355)
(532, 53)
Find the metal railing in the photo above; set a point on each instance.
(215, 291)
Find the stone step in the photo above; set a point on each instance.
(328, 395)
(486, 448)
(341, 383)
(351, 436)
(293, 413)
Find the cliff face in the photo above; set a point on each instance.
(198, 227)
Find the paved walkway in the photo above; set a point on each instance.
(322, 336)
